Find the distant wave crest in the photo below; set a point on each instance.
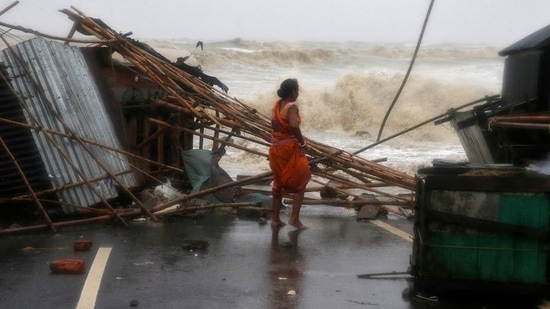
(350, 85)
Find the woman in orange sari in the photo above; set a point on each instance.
(287, 154)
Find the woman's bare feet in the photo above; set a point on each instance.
(277, 224)
(297, 224)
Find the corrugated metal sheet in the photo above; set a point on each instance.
(70, 92)
(537, 40)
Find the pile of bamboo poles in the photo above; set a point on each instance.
(190, 95)
(214, 111)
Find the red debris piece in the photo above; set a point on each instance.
(68, 266)
(82, 245)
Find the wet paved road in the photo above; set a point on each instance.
(246, 265)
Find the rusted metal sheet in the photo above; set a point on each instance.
(55, 83)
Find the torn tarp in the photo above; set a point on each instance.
(204, 172)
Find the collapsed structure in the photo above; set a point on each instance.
(84, 133)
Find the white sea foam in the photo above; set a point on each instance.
(241, 50)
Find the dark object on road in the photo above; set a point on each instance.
(193, 244)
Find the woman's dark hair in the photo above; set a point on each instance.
(287, 86)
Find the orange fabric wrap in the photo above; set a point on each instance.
(281, 117)
(289, 165)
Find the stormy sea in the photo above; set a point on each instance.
(346, 89)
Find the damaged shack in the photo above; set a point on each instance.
(89, 125)
(484, 226)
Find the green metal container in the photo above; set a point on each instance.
(483, 228)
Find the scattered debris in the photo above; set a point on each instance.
(68, 266)
(82, 245)
(262, 221)
(368, 212)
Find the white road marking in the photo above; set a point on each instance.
(91, 286)
(393, 230)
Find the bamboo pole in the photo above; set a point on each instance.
(57, 38)
(521, 118)
(187, 209)
(152, 137)
(347, 203)
(521, 125)
(9, 7)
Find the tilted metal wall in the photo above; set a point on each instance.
(56, 84)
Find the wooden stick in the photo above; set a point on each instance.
(347, 203)
(57, 38)
(521, 118)
(152, 137)
(521, 125)
(187, 209)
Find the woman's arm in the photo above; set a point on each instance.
(293, 122)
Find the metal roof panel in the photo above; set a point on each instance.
(59, 91)
(535, 41)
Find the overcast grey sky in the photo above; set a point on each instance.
(499, 22)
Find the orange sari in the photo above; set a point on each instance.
(287, 162)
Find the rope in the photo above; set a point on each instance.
(408, 71)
